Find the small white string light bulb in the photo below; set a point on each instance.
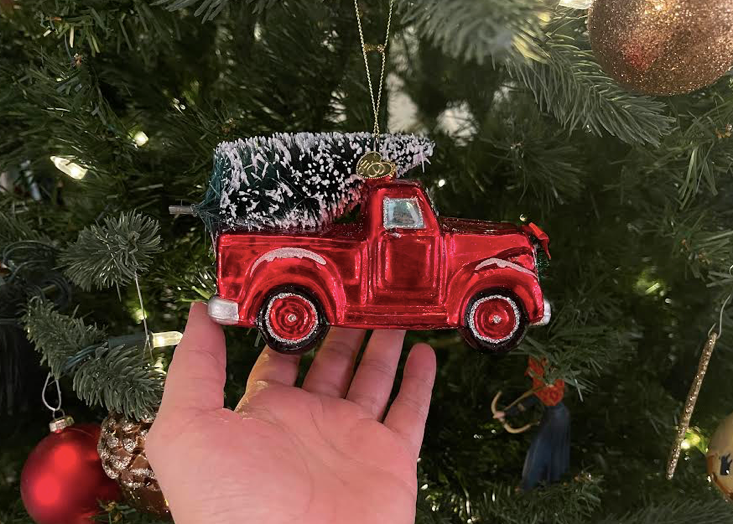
(576, 4)
(140, 138)
(166, 338)
(65, 165)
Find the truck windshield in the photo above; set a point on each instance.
(403, 213)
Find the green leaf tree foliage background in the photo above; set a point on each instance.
(634, 192)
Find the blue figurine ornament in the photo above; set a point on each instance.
(548, 457)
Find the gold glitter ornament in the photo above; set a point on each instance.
(662, 47)
(684, 424)
(719, 456)
(122, 450)
(692, 395)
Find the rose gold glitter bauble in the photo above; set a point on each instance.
(662, 47)
(122, 450)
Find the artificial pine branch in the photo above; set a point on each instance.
(678, 512)
(565, 80)
(110, 513)
(705, 247)
(16, 514)
(210, 9)
(570, 85)
(28, 267)
(30, 262)
(479, 31)
(121, 513)
(14, 229)
(58, 337)
(699, 156)
(120, 378)
(113, 254)
(570, 502)
(426, 513)
(536, 158)
(101, 26)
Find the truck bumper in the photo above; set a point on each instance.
(546, 316)
(223, 311)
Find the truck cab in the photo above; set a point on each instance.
(406, 246)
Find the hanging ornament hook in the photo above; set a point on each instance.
(58, 423)
(694, 392)
(722, 310)
(57, 408)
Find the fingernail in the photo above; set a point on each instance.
(196, 305)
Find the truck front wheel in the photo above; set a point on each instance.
(494, 321)
(292, 320)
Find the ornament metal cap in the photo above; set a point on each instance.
(57, 425)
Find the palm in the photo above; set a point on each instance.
(306, 455)
(338, 461)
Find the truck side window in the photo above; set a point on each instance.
(402, 213)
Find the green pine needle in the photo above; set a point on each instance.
(570, 502)
(563, 503)
(681, 512)
(58, 337)
(210, 9)
(14, 229)
(112, 254)
(571, 86)
(478, 31)
(537, 158)
(121, 379)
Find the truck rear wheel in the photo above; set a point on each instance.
(291, 320)
(494, 321)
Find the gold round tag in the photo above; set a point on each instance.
(372, 165)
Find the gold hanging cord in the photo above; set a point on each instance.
(382, 49)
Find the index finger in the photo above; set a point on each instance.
(409, 411)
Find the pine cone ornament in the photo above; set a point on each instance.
(122, 450)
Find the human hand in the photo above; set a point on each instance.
(324, 453)
(501, 415)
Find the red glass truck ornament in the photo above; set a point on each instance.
(396, 265)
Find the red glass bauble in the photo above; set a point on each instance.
(63, 481)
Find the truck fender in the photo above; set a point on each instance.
(494, 273)
(295, 267)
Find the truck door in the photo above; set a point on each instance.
(407, 252)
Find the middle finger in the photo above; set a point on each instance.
(332, 368)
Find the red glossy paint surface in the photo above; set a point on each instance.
(366, 275)
(292, 317)
(62, 479)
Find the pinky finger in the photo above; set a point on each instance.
(409, 411)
